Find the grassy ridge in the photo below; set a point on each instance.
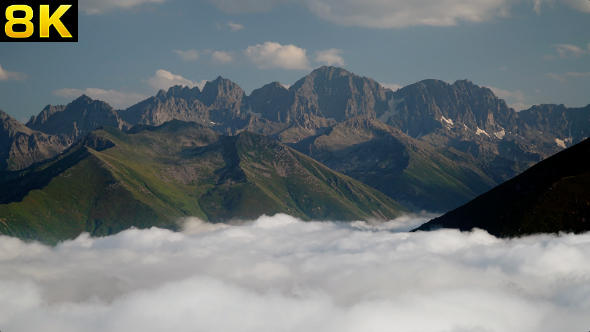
(153, 176)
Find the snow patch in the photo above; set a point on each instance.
(500, 134)
(560, 143)
(392, 109)
(448, 121)
(479, 131)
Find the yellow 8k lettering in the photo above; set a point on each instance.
(26, 21)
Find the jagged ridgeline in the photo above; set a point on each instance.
(151, 176)
(430, 145)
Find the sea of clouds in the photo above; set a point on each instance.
(281, 274)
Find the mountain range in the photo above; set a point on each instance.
(429, 146)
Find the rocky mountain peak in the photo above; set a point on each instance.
(221, 91)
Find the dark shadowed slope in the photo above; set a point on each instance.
(552, 196)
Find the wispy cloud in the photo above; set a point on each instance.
(235, 26)
(397, 13)
(281, 274)
(274, 55)
(330, 57)
(223, 57)
(506, 94)
(566, 51)
(188, 55)
(515, 99)
(6, 75)
(557, 77)
(575, 74)
(116, 99)
(98, 7)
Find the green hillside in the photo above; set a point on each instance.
(152, 176)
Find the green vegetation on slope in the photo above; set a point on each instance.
(152, 176)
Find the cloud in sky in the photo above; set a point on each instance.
(505, 94)
(575, 74)
(395, 13)
(330, 57)
(274, 55)
(116, 99)
(222, 57)
(6, 75)
(281, 274)
(188, 55)
(164, 79)
(233, 27)
(558, 77)
(391, 86)
(97, 7)
(515, 99)
(567, 51)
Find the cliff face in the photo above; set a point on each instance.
(20, 146)
(220, 104)
(77, 119)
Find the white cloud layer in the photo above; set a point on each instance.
(116, 99)
(330, 57)
(188, 55)
(164, 79)
(396, 13)
(274, 55)
(6, 75)
(97, 7)
(281, 274)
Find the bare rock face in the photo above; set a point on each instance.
(273, 102)
(328, 92)
(21, 147)
(77, 119)
(220, 105)
(421, 108)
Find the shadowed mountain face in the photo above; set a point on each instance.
(331, 93)
(552, 196)
(20, 146)
(77, 119)
(151, 176)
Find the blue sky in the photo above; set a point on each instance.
(528, 51)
